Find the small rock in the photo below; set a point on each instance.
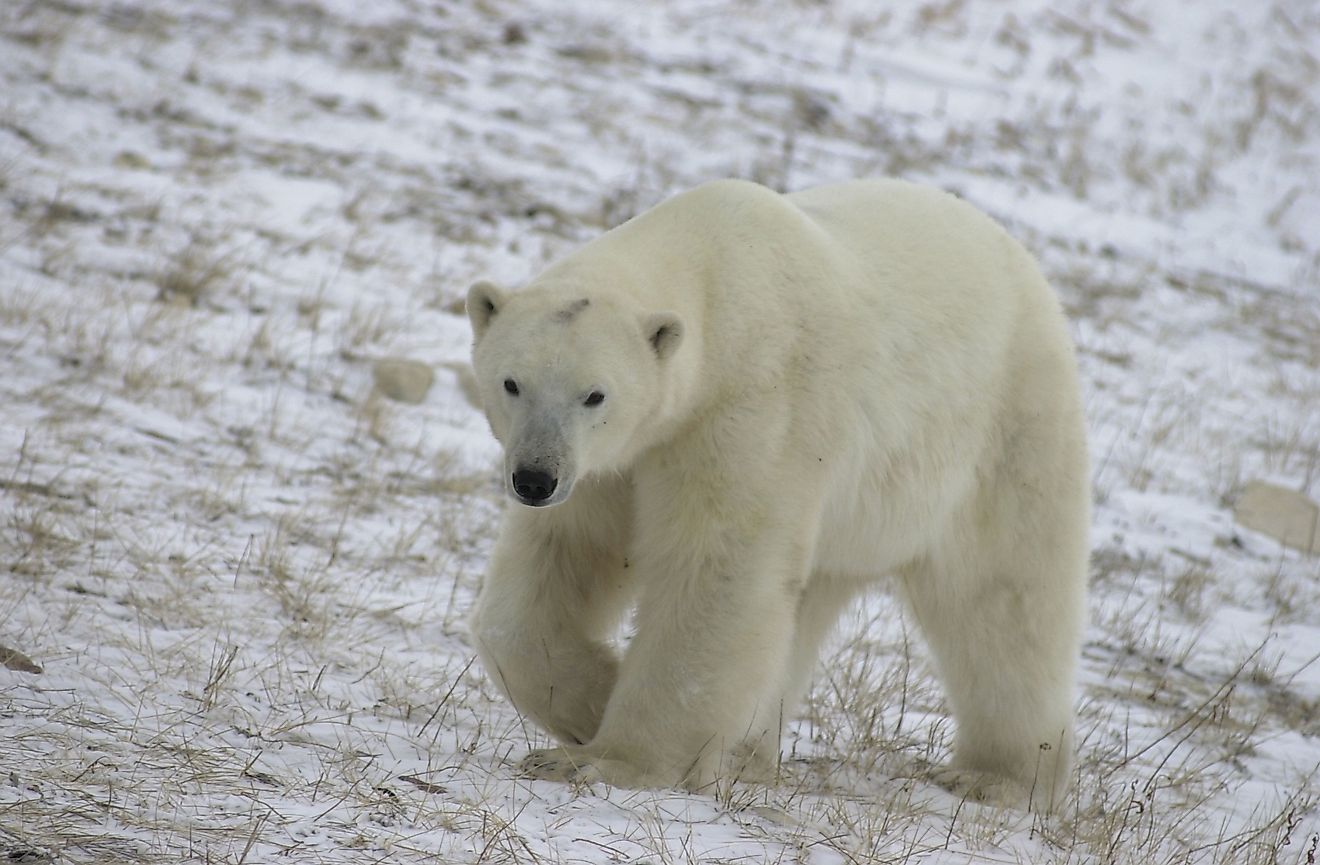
(467, 382)
(17, 661)
(403, 380)
(514, 33)
(132, 160)
(1285, 515)
(775, 815)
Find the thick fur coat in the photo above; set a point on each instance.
(734, 412)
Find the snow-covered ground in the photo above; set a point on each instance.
(244, 576)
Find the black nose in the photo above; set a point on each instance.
(532, 485)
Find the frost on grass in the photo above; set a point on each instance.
(234, 581)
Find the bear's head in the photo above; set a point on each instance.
(571, 383)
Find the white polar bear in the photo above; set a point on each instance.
(746, 407)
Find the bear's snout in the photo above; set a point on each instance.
(533, 486)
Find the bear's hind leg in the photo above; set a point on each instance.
(1005, 641)
(823, 599)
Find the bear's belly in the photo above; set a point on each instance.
(866, 538)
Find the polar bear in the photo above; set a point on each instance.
(731, 414)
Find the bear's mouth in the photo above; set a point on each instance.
(556, 499)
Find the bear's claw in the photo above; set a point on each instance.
(576, 766)
(555, 764)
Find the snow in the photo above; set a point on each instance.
(245, 579)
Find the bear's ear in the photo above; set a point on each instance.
(483, 301)
(664, 331)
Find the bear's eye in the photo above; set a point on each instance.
(511, 387)
(594, 398)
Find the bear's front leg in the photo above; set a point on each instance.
(554, 592)
(702, 675)
(558, 678)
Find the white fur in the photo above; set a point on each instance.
(803, 393)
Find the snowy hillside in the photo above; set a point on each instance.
(233, 575)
